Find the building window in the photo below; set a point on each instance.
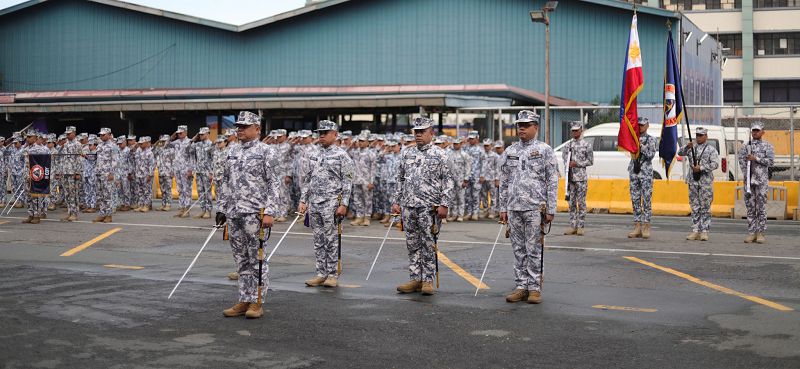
(731, 92)
(732, 41)
(780, 91)
(776, 3)
(787, 43)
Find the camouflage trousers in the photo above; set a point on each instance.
(285, 197)
(56, 191)
(362, 200)
(165, 184)
(472, 197)
(457, 205)
(105, 195)
(203, 181)
(377, 198)
(184, 189)
(488, 195)
(144, 191)
(243, 232)
(641, 199)
(71, 192)
(90, 191)
(526, 242)
(700, 198)
(756, 202)
(37, 205)
(419, 241)
(577, 203)
(323, 223)
(388, 189)
(125, 191)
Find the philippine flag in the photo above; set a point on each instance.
(632, 84)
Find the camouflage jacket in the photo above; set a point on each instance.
(648, 147)
(528, 177)
(164, 158)
(424, 178)
(329, 174)
(364, 162)
(71, 160)
(765, 157)
(180, 162)
(707, 158)
(462, 163)
(582, 155)
(200, 156)
(107, 158)
(145, 163)
(476, 153)
(250, 180)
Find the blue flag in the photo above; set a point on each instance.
(673, 108)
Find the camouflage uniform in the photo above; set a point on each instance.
(364, 162)
(284, 170)
(472, 194)
(56, 189)
(424, 180)
(37, 205)
(89, 180)
(329, 176)
(462, 164)
(107, 160)
(641, 184)
(164, 158)
(701, 191)
(143, 174)
(124, 170)
(387, 169)
(577, 180)
(182, 167)
(756, 200)
(528, 187)
(250, 176)
(200, 158)
(71, 165)
(218, 168)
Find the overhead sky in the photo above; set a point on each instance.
(235, 12)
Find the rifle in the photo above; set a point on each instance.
(568, 171)
(747, 174)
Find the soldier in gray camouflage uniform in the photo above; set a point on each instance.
(284, 151)
(472, 194)
(462, 163)
(89, 175)
(424, 190)
(71, 169)
(580, 155)
(326, 194)
(182, 169)
(701, 182)
(528, 188)
(164, 157)
(107, 159)
(761, 156)
(143, 175)
(218, 165)
(641, 181)
(388, 174)
(253, 189)
(55, 169)
(200, 152)
(364, 162)
(130, 166)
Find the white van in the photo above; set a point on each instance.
(611, 163)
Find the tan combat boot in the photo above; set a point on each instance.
(254, 311)
(704, 236)
(366, 222)
(233, 276)
(646, 230)
(18, 205)
(331, 281)
(144, 209)
(316, 281)
(99, 219)
(51, 207)
(43, 216)
(534, 297)
(199, 216)
(167, 207)
(492, 216)
(570, 231)
(750, 238)
(107, 219)
(206, 215)
(236, 310)
(579, 231)
(185, 214)
(28, 220)
(460, 219)
(637, 230)
(694, 236)
(517, 295)
(161, 208)
(73, 217)
(357, 222)
(90, 210)
(409, 287)
(179, 214)
(385, 219)
(66, 218)
(35, 220)
(759, 236)
(427, 288)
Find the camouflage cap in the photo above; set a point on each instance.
(527, 116)
(409, 138)
(438, 140)
(457, 141)
(280, 132)
(204, 131)
(304, 133)
(131, 138)
(473, 134)
(362, 137)
(83, 135)
(105, 131)
(381, 137)
(757, 126)
(315, 135)
(487, 142)
(700, 131)
(31, 132)
(643, 121)
(182, 128)
(421, 123)
(62, 137)
(164, 138)
(69, 129)
(365, 132)
(92, 136)
(391, 143)
(372, 137)
(121, 139)
(499, 143)
(327, 125)
(346, 134)
(2, 138)
(247, 118)
(230, 132)
(575, 125)
(220, 139)
(292, 134)
(17, 139)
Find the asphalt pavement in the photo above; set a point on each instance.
(84, 295)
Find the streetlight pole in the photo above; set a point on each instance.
(542, 16)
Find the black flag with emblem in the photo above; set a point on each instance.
(39, 167)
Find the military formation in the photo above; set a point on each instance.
(418, 181)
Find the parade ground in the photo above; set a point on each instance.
(84, 295)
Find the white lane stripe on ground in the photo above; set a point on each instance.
(487, 243)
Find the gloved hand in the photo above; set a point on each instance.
(220, 218)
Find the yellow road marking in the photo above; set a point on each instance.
(625, 308)
(461, 272)
(4, 222)
(86, 244)
(115, 266)
(350, 285)
(712, 286)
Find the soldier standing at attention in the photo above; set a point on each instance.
(143, 175)
(761, 155)
(472, 194)
(107, 159)
(703, 160)
(424, 190)
(164, 157)
(71, 169)
(326, 195)
(580, 155)
(528, 188)
(640, 171)
(182, 169)
(249, 205)
(200, 152)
